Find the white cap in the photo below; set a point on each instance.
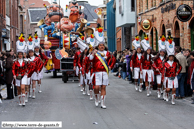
(136, 44)
(30, 46)
(145, 44)
(99, 37)
(170, 48)
(81, 44)
(91, 41)
(66, 12)
(162, 45)
(36, 42)
(21, 46)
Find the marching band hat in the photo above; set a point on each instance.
(81, 44)
(162, 43)
(101, 43)
(170, 45)
(136, 42)
(98, 25)
(145, 43)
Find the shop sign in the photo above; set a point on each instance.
(168, 8)
(4, 33)
(184, 13)
(146, 24)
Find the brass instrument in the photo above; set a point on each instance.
(40, 22)
(102, 54)
(83, 22)
(49, 65)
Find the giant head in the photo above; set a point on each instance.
(65, 25)
(55, 12)
(74, 11)
(47, 20)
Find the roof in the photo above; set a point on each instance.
(38, 3)
(36, 14)
(89, 11)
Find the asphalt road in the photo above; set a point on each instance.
(126, 108)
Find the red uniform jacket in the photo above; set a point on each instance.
(170, 71)
(31, 68)
(81, 64)
(112, 62)
(158, 64)
(97, 65)
(76, 57)
(135, 62)
(44, 57)
(39, 64)
(146, 64)
(19, 70)
(88, 66)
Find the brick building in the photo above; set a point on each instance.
(8, 23)
(162, 14)
(2, 22)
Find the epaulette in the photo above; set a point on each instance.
(14, 60)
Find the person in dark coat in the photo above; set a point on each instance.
(14, 57)
(9, 75)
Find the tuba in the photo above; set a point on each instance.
(83, 22)
(40, 22)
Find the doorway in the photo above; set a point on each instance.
(177, 34)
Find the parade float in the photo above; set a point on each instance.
(62, 30)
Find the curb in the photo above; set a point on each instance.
(2, 87)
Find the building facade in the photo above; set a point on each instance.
(9, 24)
(125, 22)
(163, 18)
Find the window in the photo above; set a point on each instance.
(146, 4)
(132, 5)
(154, 3)
(141, 5)
(7, 7)
(105, 22)
(21, 23)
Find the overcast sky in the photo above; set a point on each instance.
(66, 2)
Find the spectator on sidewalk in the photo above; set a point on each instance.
(14, 57)
(190, 79)
(7, 64)
(128, 58)
(182, 75)
(188, 90)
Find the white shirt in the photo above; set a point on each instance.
(170, 62)
(20, 61)
(37, 53)
(139, 55)
(162, 57)
(148, 57)
(32, 58)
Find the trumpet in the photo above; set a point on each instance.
(83, 22)
(40, 22)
